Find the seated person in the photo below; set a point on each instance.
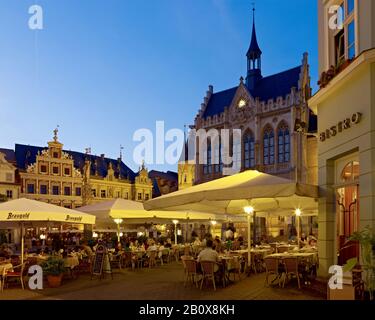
(303, 240)
(197, 242)
(152, 247)
(87, 249)
(168, 243)
(218, 245)
(208, 254)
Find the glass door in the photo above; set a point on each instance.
(347, 212)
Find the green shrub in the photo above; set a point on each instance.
(53, 266)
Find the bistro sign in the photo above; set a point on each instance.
(340, 127)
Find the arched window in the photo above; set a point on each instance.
(249, 151)
(350, 172)
(283, 138)
(268, 146)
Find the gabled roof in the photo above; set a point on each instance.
(10, 156)
(26, 155)
(271, 87)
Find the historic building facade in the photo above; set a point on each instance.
(266, 110)
(73, 179)
(277, 129)
(9, 187)
(346, 150)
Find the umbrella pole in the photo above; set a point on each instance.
(249, 242)
(22, 243)
(298, 230)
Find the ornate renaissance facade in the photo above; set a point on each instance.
(72, 179)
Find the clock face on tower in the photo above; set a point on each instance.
(242, 103)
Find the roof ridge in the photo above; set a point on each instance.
(281, 72)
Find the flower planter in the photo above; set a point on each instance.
(54, 281)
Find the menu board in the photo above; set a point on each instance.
(97, 265)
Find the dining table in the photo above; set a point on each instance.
(227, 263)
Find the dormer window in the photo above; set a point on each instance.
(55, 154)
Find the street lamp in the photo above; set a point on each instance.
(298, 213)
(249, 210)
(175, 230)
(118, 222)
(43, 238)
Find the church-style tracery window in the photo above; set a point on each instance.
(268, 146)
(283, 138)
(249, 151)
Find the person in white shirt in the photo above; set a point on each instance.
(197, 242)
(152, 247)
(208, 254)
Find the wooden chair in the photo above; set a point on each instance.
(2, 277)
(183, 259)
(152, 259)
(17, 273)
(272, 268)
(187, 251)
(138, 259)
(126, 259)
(208, 272)
(176, 253)
(291, 268)
(191, 272)
(235, 268)
(116, 261)
(165, 256)
(84, 265)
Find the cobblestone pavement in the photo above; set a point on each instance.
(160, 283)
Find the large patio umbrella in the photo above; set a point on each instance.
(20, 211)
(134, 212)
(251, 190)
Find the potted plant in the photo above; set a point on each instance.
(54, 268)
(366, 240)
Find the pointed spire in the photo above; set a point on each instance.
(254, 50)
(254, 73)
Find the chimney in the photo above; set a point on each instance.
(102, 155)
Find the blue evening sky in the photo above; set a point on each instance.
(102, 69)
